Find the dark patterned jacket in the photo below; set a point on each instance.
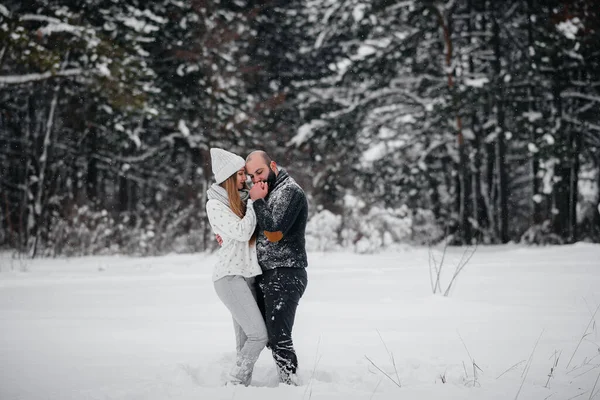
(281, 223)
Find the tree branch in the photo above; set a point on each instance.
(20, 79)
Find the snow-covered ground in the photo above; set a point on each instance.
(153, 328)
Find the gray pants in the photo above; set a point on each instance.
(239, 296)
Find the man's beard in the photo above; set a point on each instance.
(271, 179)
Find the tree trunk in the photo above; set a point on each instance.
(462, 177)
(38, 205)
(575, 150)
(536, 210)
(203, 159)
(477, 202)
(488, 181)
(596, 220)
(562, 174)
(123, 196)
(501, 175)
(13, 127)
(91, 181)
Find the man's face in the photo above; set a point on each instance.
(257, 169)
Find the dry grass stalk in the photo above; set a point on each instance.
(593, 394)
(585, 333)
(551, 374)
(526, 370)
(312, 376)
(511, 368)
(383, 372)
(475, 366)
(435, 268)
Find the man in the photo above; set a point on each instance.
(281, 223)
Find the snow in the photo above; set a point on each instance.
(148, 14)
(341, 66)
(359, 12)
(532, 148)
(364, 51)
(549, 138)
(476, 82)
(103, 70)
(532, 116)
(321, 231)
(379, 150)
(183, 128)
(387, 133)
(61, 27)
(305, 132)
(569, 28)
(407, 119)
(135, 139)
(468, 134)
(41, 18)
(351, 201)
(4, 11)
(579, 95)
(548, 175)
(18, 79)
(139, 26)
(376, 152)
(153, 328)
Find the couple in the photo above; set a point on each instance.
(260, 274)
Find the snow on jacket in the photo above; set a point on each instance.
(282, 218)
(235, 256)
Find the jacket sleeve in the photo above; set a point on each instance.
(222, 218)
(276, 222)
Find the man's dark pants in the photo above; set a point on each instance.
(278, 292)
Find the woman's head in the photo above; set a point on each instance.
(230, 172)
(225, 164)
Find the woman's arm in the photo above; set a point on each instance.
(230, 225)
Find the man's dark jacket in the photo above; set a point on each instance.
(281, 223)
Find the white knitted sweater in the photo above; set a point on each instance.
(235, 256)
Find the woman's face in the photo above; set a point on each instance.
(241, 178)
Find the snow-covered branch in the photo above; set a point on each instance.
(378, 95)
(306, 132)
(402, 4)
(4, 11)
(432, 147)
(580, 95)
(582, 123)
(20, 79)
(61, 27)
(41, 18)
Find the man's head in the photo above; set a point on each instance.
(261, 168)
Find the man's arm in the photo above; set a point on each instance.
(277, 222)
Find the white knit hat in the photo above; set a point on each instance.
(225, 164)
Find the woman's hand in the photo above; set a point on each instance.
(259, 190)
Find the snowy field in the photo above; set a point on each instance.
(153, 328)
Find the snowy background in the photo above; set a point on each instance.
(405, 121)
(153, 328)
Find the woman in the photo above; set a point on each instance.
(232, 217)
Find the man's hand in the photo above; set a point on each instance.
(259, 190)
(219, 240)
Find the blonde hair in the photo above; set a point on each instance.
(235, 201)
